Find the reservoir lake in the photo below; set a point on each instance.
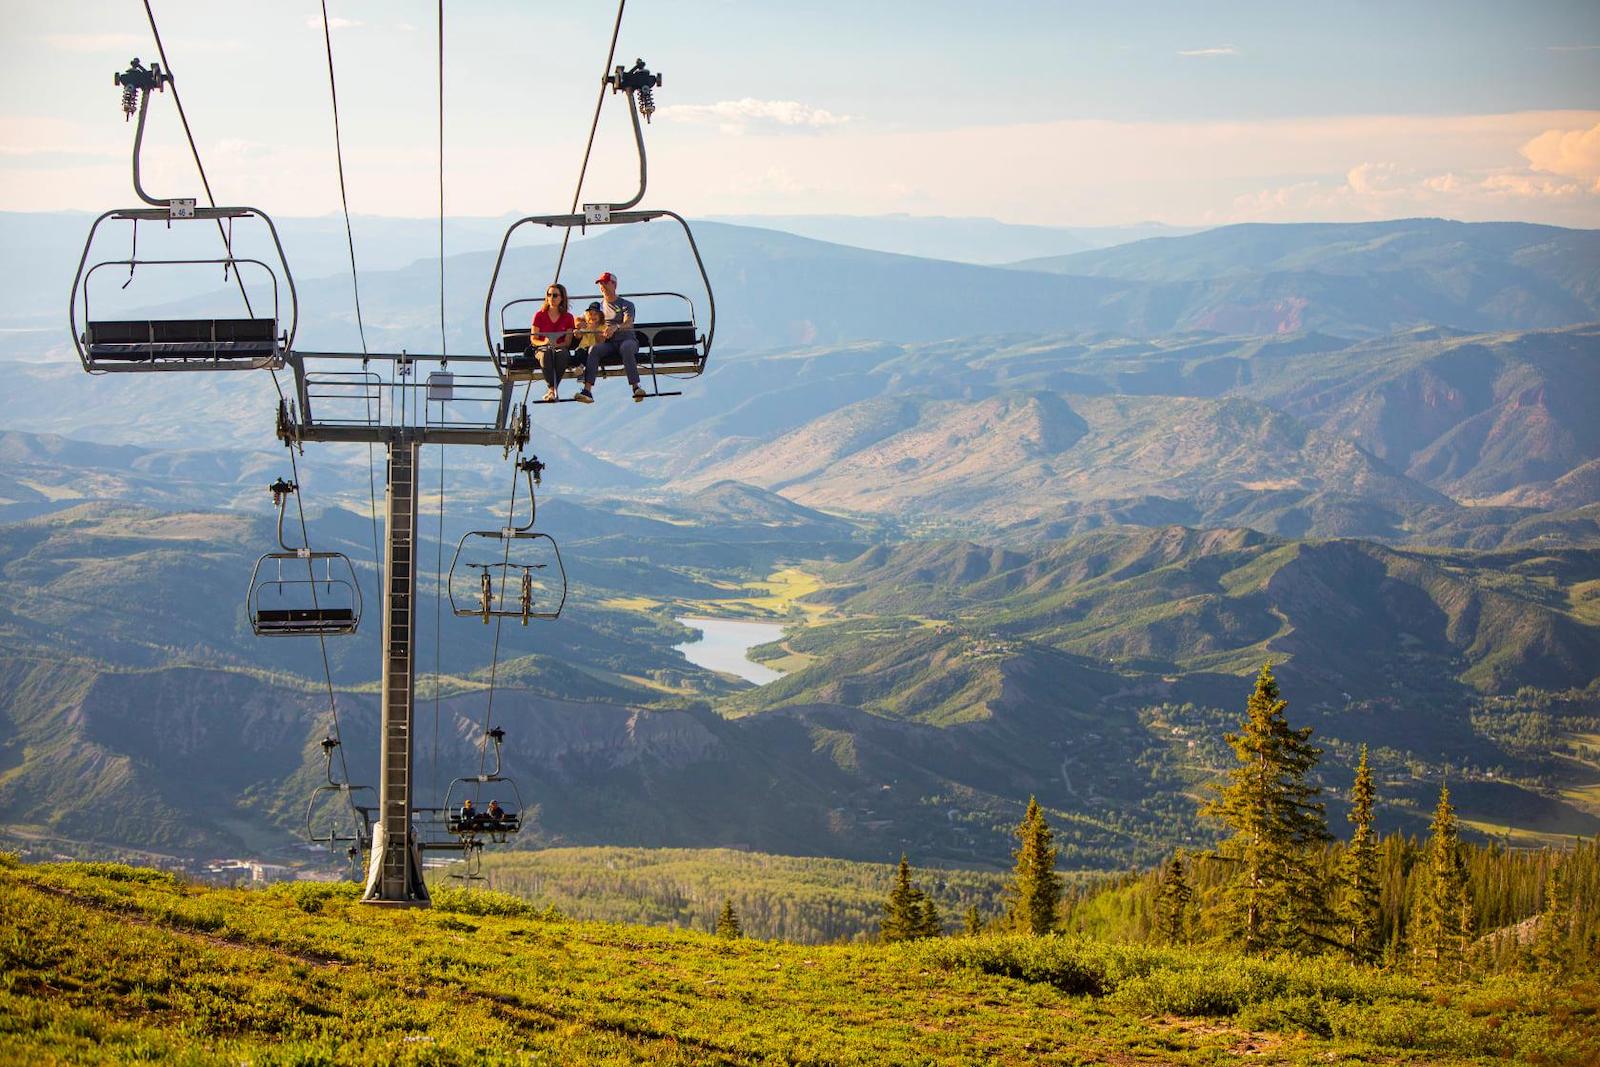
(724, 642)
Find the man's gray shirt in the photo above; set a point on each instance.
(614, 311)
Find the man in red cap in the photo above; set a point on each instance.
(616, 338)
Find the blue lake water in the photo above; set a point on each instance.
(723, 644)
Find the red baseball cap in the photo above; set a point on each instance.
(606, 277)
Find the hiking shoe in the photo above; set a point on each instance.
(639, 393)
(549, 396)
(584, 396)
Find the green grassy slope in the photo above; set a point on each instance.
(107, 964)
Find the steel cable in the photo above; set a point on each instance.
(327, 671)
(594, 125)
(355, 284)
(227, 242)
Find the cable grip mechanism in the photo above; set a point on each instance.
(639, 81)
(141, 79)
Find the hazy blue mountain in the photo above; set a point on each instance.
(1261, 278)
(962, 240)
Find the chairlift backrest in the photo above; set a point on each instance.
(260, 340)
(290, 607)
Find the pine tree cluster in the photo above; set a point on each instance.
(909, 913)
(1277, 882)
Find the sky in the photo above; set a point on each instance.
(1027, 111)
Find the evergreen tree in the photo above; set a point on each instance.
(929, 924)
(1443, 920)
(1274, 898)
(1172, 903)
(1360, 900)
(1035, 889)
(904, 915)
(728, 921)
(971, 922)
(1552, 944)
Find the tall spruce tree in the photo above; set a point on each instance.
(728, 924)
(1359, 909)
(904, 915)
(1172, 903)
(1274, 898)
(971, 922)
(1552, 945)
(1035, 890)
(1443, 921)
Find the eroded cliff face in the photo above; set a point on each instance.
(566, 738)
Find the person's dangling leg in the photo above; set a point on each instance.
(591, 369)
(553, 361)
(629, 347)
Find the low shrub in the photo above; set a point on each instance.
(490, 902)
(1287, 1015)
(118, 872)
(313, 897)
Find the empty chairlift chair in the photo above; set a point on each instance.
(325, 602)
(258, 340)
(339, 815)
(508, 573)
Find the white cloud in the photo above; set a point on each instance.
(27, 135)
(738, 116)
(239, 146)
(99, 42)
(1570, 153)
(773, 180)
(315, 22)
(1390, 190)
(1219, 50)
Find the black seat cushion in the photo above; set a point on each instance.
(305, 620)
(150, 339)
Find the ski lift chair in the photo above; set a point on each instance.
(672, 347)
(179, 344)
(499, 586)
(345, 810)
(317, 605)
(479, 826)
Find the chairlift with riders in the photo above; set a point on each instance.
(672, 347)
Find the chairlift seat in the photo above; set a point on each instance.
(182, 340)
(666, 347)
(482, 824)
(306, 621)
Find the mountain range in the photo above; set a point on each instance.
(1058, 515)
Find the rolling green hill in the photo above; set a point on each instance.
(947, 682)
(108, 964)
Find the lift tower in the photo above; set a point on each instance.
(339, 398)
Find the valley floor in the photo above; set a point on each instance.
(109, 964)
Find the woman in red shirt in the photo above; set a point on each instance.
(551, 337)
